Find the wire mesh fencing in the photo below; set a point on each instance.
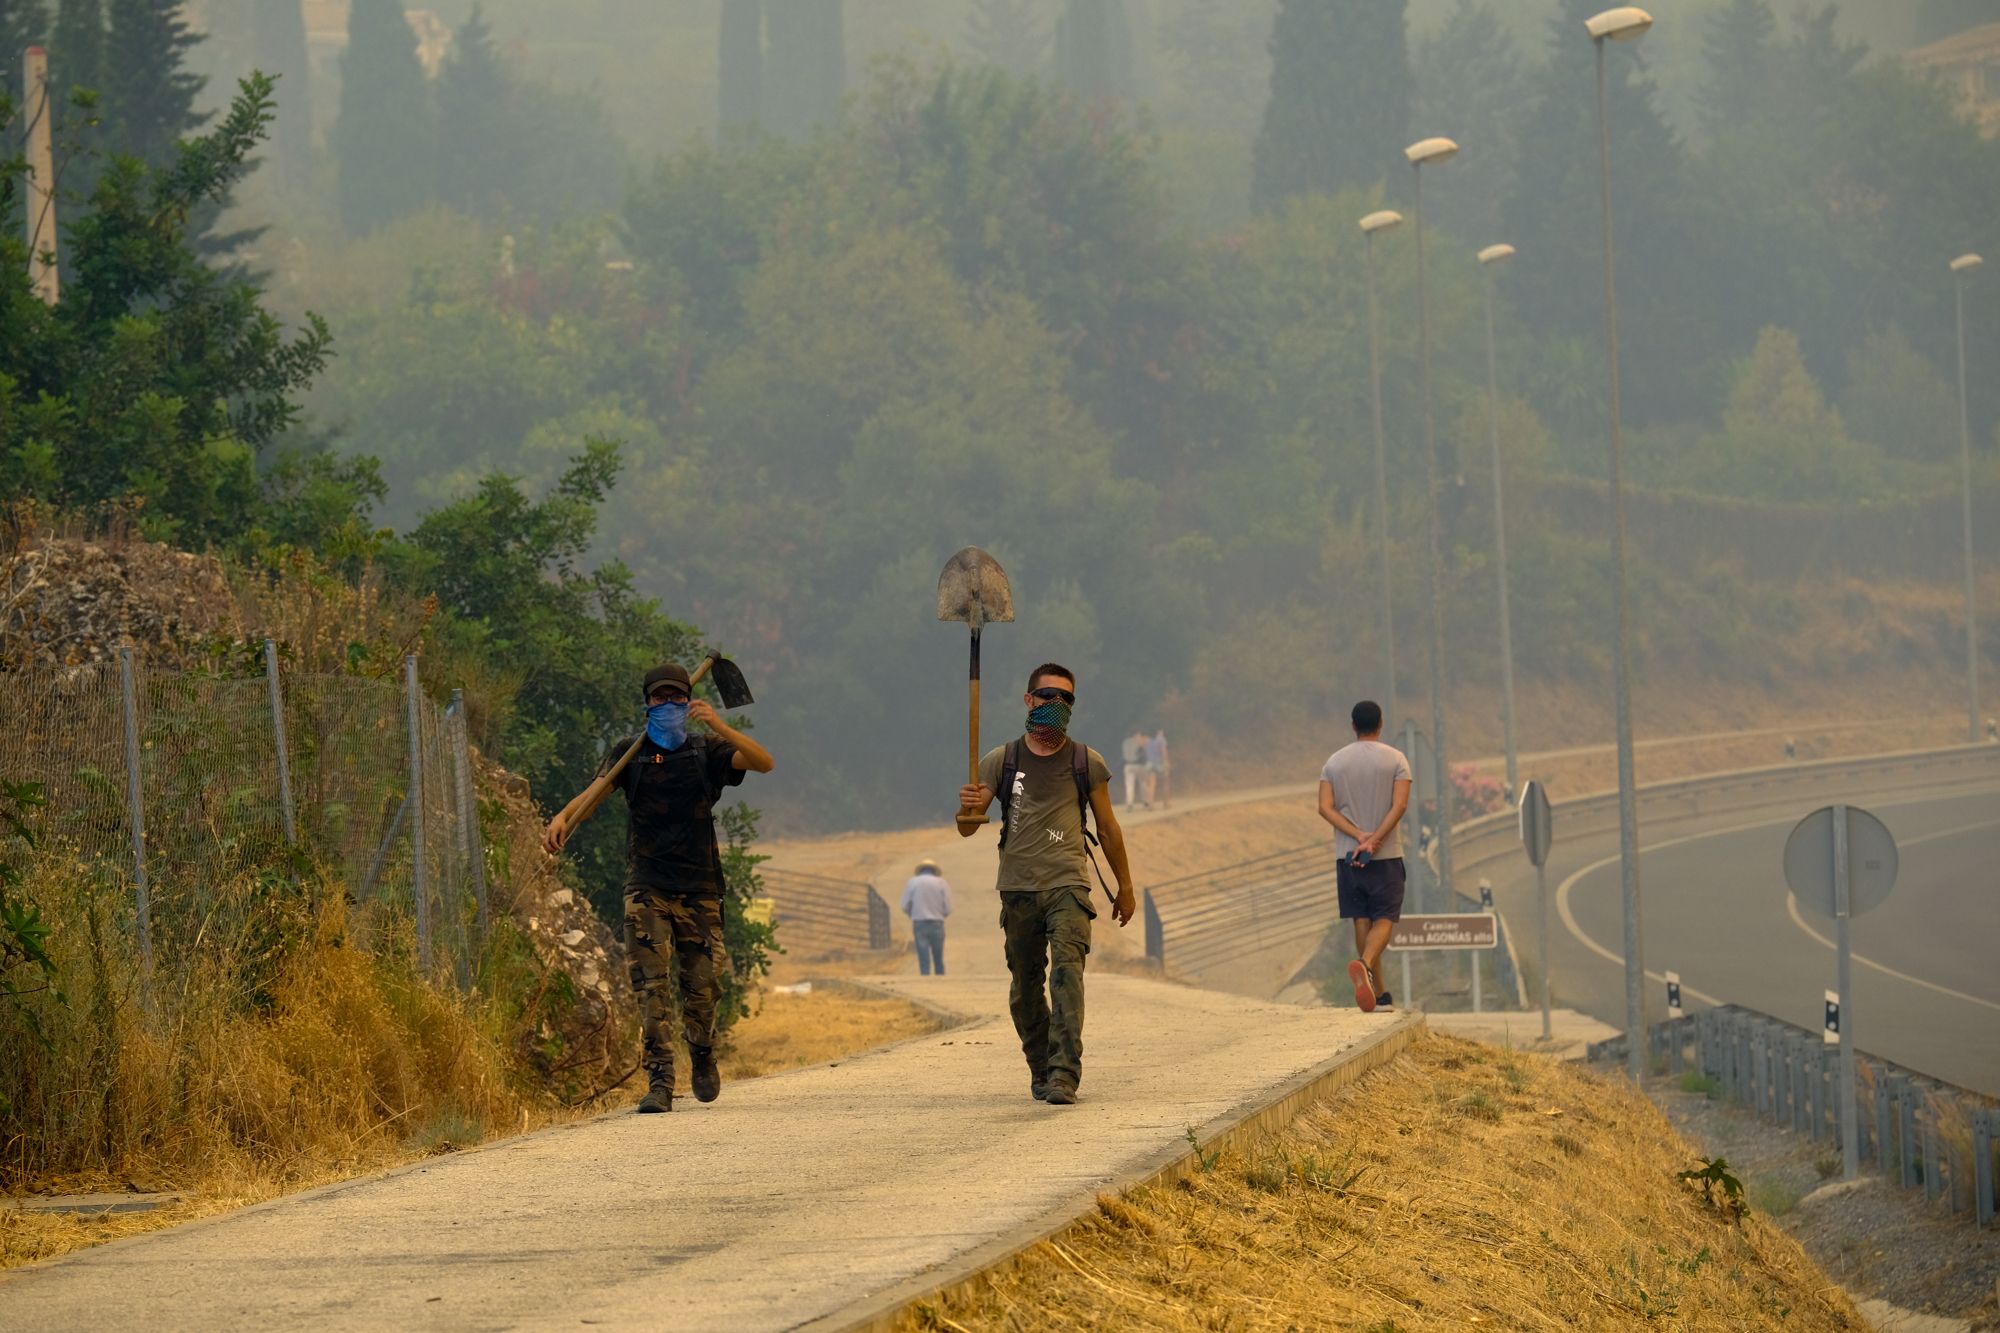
(201, 794)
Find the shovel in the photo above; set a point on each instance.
(973, 588)
(730, 686)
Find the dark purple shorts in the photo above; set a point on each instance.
(1373, 892)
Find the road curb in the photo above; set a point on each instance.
(1233, 1128)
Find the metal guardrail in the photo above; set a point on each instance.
(1917, 1130)
(825, 912)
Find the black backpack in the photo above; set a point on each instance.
(1079, 771)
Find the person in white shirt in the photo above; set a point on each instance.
(927, 902)
(1363, 791)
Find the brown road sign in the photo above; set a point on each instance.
(1462, 930)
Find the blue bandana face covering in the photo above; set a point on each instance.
(1048, 721)
(667, 725)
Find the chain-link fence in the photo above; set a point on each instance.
(192, 790)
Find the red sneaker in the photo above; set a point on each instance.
(1364, 990)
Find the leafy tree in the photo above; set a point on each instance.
(1339, 110)
(149, 94)
(384, 141)
(1093, 51)
(805, 65)
(740, 63)
(26, 967)
(76, 56)
(1007, 33)
(1897, 401)
(155, 377)
(1471, 82)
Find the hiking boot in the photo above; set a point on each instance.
(1364, 989)
(1038, 1084)
(1062, 1091)
(707, 1081)
(660, 1097)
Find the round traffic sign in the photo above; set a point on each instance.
(1871, 862)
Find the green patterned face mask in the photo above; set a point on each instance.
(1048, 722)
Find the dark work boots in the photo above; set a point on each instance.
(1038, 1084)
(1062, 1090)
(660, 1097)
(707, 1079)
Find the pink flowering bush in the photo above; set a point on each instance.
(1474, 794)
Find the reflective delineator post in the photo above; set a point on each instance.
(136, 806)
(419, 881)
(284, 755)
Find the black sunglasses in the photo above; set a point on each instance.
(666, 697)
(1050, 692)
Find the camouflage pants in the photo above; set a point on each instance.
(667, 933)
(1048, 937)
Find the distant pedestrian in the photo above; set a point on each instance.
(1134, 756)
(1159, 766)
(1363, 791)
(927, 902)
(1047, 783)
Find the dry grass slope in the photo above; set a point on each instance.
(1460, 1186)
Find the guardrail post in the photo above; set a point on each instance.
(1801, 1102)
(1819, 1093)
(878, 920)
(1928, 1138)
(420, 880)
(1156, 935)
(1885, 1129)
(1982, 1167)
(135, 800)
(1906, 1124)
(1674, 1060)
(278, 731)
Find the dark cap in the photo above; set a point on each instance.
(672, 672)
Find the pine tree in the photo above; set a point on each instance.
(476, 131)
(805, 65)
(149, 94)
(383, 141)
(740, 63)
(1740, 44)
(278, 43)
(1006, 33)
(1093, 57)
(76, 50)
(1339, 114)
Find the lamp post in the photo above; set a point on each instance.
(1961, 268)
(1490, 256)
(1370, 225)
(1429, 152)
(1621, 25)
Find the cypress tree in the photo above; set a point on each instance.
(1741, 47)
(383, 141)
(476, 133)
(149, 93)
(76, 50)
(1094, 50)
(806, 64)
(1339, 114)
(1006, 33)
(740, 63)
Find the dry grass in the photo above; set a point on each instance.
(1461, 1186)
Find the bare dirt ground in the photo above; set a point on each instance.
(1876, 1240)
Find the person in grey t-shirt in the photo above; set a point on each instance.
(927, 902)
(1363, 791)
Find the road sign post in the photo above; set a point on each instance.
(1537, 825)
(1840, 861)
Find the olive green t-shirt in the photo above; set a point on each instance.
(1045, 847)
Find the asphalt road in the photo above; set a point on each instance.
(1717, 911)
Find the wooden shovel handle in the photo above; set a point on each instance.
(585, 805)
(966, 821)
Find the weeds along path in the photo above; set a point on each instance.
(791, 1199)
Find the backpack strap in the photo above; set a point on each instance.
(1079, 771)
(1010, 768)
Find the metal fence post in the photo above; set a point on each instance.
(468, 809)
(135, 802)
(418, 878)
(284, 754)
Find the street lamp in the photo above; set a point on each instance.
(1490, 256)
(1962, 267)
(1621, 25)
(1370, 225)
(1430, 152)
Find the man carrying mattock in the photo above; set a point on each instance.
(672, 780)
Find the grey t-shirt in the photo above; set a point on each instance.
(1364, 777)
(1045, 847)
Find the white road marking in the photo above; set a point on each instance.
(1582, 937)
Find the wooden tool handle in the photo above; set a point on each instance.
(972, 735)
(584, 806)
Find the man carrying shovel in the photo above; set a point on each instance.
(672, 779)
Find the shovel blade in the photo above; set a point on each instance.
(973, 588)
(729, 684)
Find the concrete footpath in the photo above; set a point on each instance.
(809, 1197)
